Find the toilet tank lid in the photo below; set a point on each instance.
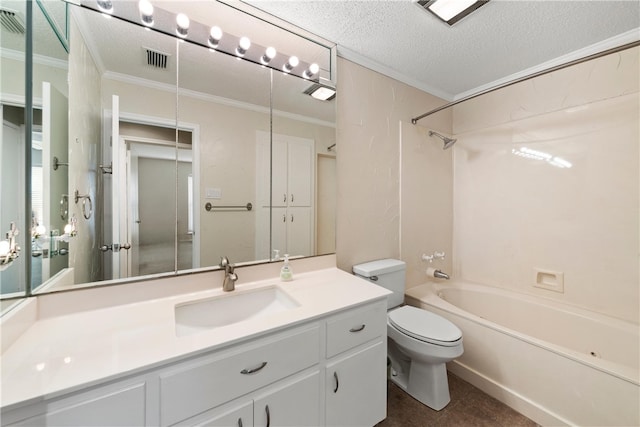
(381, 266)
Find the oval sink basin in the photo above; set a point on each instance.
(227, 309)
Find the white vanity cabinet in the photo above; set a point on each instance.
(355, 374)
(330, 370)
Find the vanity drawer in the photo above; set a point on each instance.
(204, 383)
(356, 327)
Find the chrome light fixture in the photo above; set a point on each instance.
(9, 250)
(451, 11)
(144, 13)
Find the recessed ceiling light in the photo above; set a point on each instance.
(451, 11)
(321, 92)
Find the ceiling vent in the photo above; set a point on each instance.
(11, 21)
(156, 59)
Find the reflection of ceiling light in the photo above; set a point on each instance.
(451, 11)
(528, 153)
(321, 92)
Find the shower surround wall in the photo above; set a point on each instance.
(516, 211)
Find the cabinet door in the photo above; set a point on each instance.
(300, 172)
(299, 231)
(356, 391)
(295, 403)
(279, 224)
(280, 193)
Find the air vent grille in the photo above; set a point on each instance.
(156, 59)
(11, 21)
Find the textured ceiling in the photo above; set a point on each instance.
(499, 40)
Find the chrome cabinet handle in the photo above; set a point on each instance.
(253, 370)
(335, 376)
(358, 329)
(284, 217)
(285, 198)
(239, 422)
(266, 408)
(291, 197)
(291, 217)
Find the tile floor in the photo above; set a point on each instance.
(469, 407)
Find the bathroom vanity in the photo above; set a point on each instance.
(307, 352)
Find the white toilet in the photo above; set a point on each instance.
(420, 342)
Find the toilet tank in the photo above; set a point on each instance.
(388, 273)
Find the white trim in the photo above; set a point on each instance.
(359, 59)
(19, 56)
(610, 43)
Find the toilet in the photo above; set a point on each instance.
(420, 343)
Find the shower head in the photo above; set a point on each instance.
(448, 142)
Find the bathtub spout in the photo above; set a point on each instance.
(440, 275)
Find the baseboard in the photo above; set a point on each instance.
(507, 396)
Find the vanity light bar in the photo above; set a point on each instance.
(145, 14)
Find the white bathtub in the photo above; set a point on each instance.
(554, 363)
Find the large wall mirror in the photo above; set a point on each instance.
(152, 155)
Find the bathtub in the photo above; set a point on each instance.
(556, 364)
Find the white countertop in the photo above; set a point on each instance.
(62, 353)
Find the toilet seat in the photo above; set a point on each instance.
(425, 326)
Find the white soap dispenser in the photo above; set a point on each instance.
(286, 273)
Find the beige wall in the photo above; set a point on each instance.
(515, 214)
(374, 130)
(84, 152)
(227, 159)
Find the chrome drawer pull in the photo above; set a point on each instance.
(335, 376)
(253, 370)
(239, 422)
(358, 329)
(266, 408)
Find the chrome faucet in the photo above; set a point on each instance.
(440, 275)
(230, 277)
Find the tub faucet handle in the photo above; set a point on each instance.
(426, 257)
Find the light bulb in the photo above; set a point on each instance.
(68, 229)
(214, 36)
(105, 6)
(40, 230)
(182, 22)
(5, 248)
(146, 12)
(243, 46)
(269, 54)
(291, 64)
(311, 71)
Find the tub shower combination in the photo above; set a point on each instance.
(556, 364)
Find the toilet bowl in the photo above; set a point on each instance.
(420, 342)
